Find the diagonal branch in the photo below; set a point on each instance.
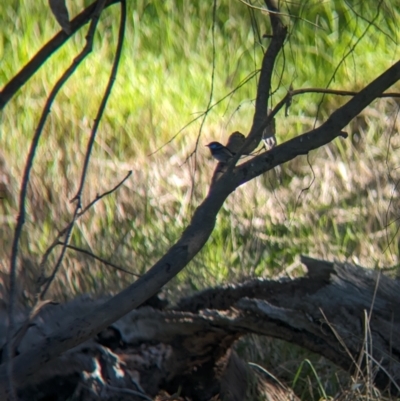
(193, 238)
(19, 80)
(102, 260)
(320, 136)
(114, 69)
(26, 177)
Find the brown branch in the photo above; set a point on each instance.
(338, 92)
(320, 136)
(24, 187)
(95, 18)
(107, 92)
(92, 255)
(294, 92)
(19, 80)
(109, 192)
(63, 231)
(267, 68)
(324, 312)
(261, 116)
(193, 238)
(38, 303)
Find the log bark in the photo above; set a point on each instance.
(345, 313)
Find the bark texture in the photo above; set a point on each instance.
(345, 313)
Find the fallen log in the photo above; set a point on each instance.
(343, 312)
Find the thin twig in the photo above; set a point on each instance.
(22, 198)
(98, 197)
(114, 69)
(269, 11)
(350, 51)
(106, 262)
(211, 94)
(50, 279)
(33, 65)
(38, 303)
(242, 83)
(337, 92)
(80, 214)
(113, 74)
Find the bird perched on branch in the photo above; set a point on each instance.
(235, 141)
(268, 134)
(220, 152)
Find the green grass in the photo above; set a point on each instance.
(163, 83)
(334, 205)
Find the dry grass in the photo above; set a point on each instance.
(336, 203)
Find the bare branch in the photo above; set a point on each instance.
(68, 227)
(106, 262)
(264, 85)
(194, 237)
(60, 12)
(320, 136)
(261, 116)
(38, 303)
(24, 188)
(88, 48)
(337, 92)
(16, 83)
(109, 192)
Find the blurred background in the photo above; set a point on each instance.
(339, 202)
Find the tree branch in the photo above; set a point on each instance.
(263, 90)
(25, 181)
(193, 238)
(197, 233)
(267, 68)
(320, 136)
(121, 34)
(92, 255)
(19, 80)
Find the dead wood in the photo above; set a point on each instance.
(345, 313)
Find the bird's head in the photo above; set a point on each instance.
(215, 145)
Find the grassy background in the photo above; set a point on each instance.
(335, 204)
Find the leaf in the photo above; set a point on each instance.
(60, 11)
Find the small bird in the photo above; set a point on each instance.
(235, 142)
(220, 152)
(268, 134)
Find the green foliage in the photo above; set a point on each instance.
(320, 387)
